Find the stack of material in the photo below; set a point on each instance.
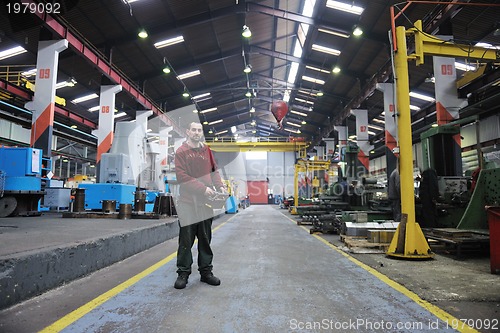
(361, 229)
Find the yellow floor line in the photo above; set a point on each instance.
(73, 316)
(447, 318)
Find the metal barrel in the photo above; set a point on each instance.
(140, 201)
(109, 206)
(125, 211)
(79, 202)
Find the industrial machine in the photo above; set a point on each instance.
(441, 154)
(20, 181)
(130, 173)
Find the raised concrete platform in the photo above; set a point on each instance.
(43, 252)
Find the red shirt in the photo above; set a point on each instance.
(196, 170)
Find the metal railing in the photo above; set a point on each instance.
(14, 75)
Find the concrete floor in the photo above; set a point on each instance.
(275, 278)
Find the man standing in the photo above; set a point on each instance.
(197, 176)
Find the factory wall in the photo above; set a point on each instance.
(276, 168)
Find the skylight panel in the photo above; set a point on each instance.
(349, 8)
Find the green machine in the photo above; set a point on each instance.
(462, 200)
(440, 150)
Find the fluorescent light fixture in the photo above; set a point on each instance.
(74, 126)
(487, 46)
(349, 8)
(292, 75)
(201, 95)
(304, 101)
(380, 121)
(378, 128)
(68, 83)
(120, 114)
(208, 110)
(311, 92)
(221, 132)
(414, 108)
(320, 93)
(169, 42)
(464, 67)
(292, 131)
(195, 111)
(29, 73)
(422, 97)
(335, 33)
(313, 80)
(188, 75)
(324, 49)
(371, 132)
(317, 69)
(129, 1)
(215, 122)
(299, 113)
(12, 52)
(352, 137)
(85, 98)
(434, 125)
(94, 108)
(293, 124)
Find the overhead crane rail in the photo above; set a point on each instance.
(271, 144)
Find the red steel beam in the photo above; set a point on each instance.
(84, 48)
(28, 96)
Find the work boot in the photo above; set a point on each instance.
(181, 281)
(210, 279)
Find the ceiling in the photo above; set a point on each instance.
(213, 44)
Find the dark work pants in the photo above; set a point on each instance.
(203, 231)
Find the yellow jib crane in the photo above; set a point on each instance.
(409, 241)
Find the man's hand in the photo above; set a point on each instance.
(209, 192)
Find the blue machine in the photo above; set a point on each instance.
(96, 193)
(20, 181)
(121, 193)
